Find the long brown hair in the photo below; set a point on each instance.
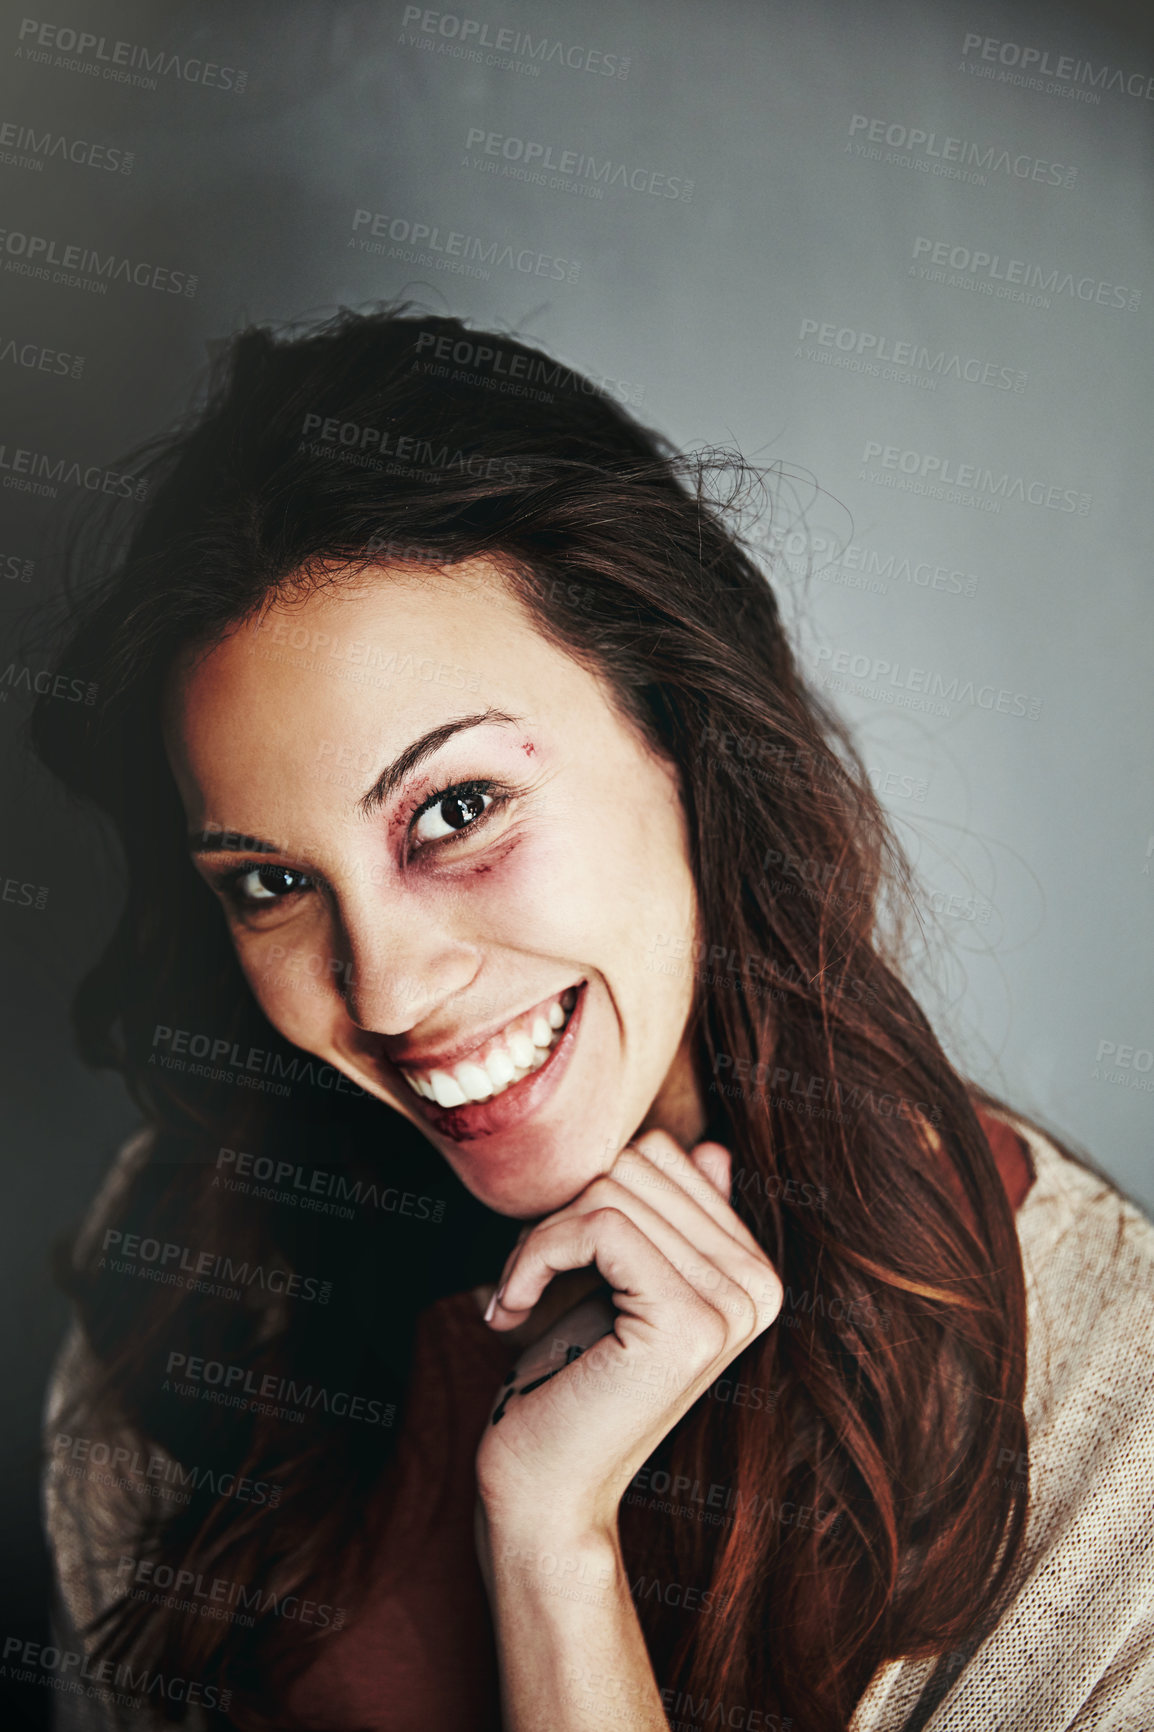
(892, 1386)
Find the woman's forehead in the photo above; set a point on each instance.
(352, 675)
(371, 630)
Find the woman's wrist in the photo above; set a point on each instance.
(531, 1546)
(571, 1649)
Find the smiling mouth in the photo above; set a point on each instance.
(498, 1063)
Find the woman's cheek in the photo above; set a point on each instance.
(293, 984)
(550, 893)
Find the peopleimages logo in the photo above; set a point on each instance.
(859, 565)
(175, 1042)
(239, 1386)
(182, 1266)
(285, 1181)
(79, 267)
(889, 682)
(36, 357)
(946, 478)
(14, 568)
(208, 1593)
(26, 471)
(427, 244)
(933, 151)
(1024, 64)
(104, 1680)
(46, 684)
(991, 268)
(156, 1475)
(368, 446)
(24, 147)
(511, 50)
(23, 893)
(1116, 1062)
(514, 373)
(541, 160)
(120, 62)
(883, 356)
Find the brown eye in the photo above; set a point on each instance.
(262, 885)
(452, 811)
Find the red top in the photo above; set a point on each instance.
(421, 1654)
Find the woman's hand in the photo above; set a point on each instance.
(689, 1289)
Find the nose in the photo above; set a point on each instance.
(397, 965)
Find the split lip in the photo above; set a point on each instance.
(444, 1058)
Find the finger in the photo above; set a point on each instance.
(508, 1263)
(677, 1221)
(713, 1160)
(656, 1303)
(656, 1170)
(665, 1348)
(671, 1170)
(741, 1284)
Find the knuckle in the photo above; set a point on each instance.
(602, 1192)
(765, 1287)
(706, 1333)
(744, 1313)
(652, 1143)
(630, 1160)
(769, 1292)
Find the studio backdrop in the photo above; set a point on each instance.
(899, 255)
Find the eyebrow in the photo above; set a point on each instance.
(233, 842)
(393, 774)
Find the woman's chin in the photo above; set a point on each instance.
(527, 1183)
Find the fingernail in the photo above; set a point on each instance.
(490, 1308)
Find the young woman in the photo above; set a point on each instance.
(560, 1281)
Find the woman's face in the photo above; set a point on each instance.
(448, 865)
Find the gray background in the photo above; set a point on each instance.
(1033, 835)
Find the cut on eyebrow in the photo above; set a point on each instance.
(393, 774)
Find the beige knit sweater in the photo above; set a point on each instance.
(1074, 1650)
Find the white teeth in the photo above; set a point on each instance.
(501, 1068)
(518, 1056)
(522, 1050)
(474, 1079)
(446, 1091)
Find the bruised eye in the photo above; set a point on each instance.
(452, 811)
(258, 886)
